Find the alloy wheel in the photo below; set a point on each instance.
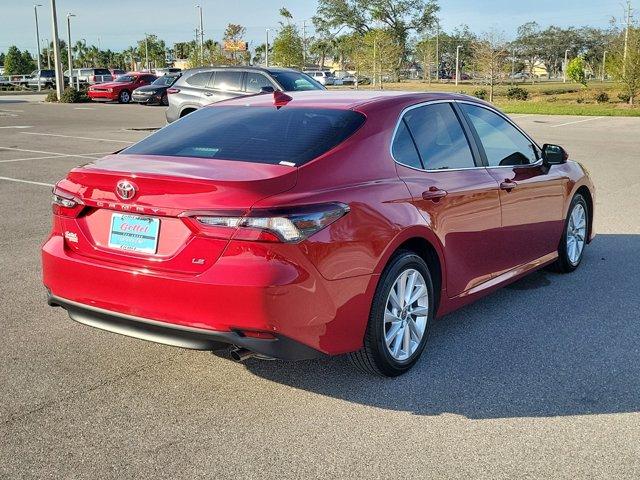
(576, 233)
(406, 314)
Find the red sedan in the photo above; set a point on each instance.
(313, 224)
(121, 88)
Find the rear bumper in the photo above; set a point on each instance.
(269, 289)
(178, 336)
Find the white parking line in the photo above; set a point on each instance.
(79, 138)
(31, 182)
(553, 126)
(83, 155)
(91, 156)
(17, 126)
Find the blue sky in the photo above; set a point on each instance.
(120, 23)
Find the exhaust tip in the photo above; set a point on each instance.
(241, 354)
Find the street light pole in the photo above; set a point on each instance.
(56, 50)
(604, 66)
(266, 51)
(146, 50)
(458, 63)
(35, 11)
(201, 35)
(566, 60)
(69, 58)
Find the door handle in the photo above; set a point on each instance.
(434, 194)
(208, 94)
(508, 185)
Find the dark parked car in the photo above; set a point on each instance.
(156, 93)
(202, 86)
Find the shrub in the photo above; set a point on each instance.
(481, 93)
(576, 71)
(51, 97)
(559, 91)
(624, 97)
(517, 93)
(602, 97)
(71, 95)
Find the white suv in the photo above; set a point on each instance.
(321, 76)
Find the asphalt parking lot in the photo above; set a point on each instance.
(541, 379)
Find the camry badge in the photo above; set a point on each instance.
(125, 189)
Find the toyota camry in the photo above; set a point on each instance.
(307, 224)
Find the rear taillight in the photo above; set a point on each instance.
(173, 90)
(65, 204)
(291, 225)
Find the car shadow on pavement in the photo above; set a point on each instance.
(547, 345)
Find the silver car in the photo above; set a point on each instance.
(321, 76)
(201, 86)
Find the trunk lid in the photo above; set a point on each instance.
(166, 188)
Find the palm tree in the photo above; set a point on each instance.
(80, 50)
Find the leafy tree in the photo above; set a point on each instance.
(489, 55)
(287, 45)
(426, 54)
(528, 46)
(461, 36)
(626, 69)
(575, 71)
(399, 17)
(375, 55)
(1, 58)
(234, 34)
(156, 48)
(321, 49)
(17, 62)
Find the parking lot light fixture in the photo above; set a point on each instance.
(199, 7)
(35, 11)
(566, 61)
(69, 57)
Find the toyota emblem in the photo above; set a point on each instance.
(125, 189)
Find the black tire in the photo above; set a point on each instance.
(374, 357)
(164, 100)
(124, 96)
(564, 264)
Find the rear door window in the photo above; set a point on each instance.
(441, 141)
(253, 134)
(228, 81)
(199, 79)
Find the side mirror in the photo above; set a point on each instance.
(267, 90)
(554, 155)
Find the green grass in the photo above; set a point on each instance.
(545, 98)
(548, 108)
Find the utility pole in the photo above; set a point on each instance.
(513, 65)
(458, 63)
(266, 50)
(437, 51)
(604, 66)
(56, 50)
(304, 44)
(566, 60)
(201, 35)
(35, 11)
(69, 58)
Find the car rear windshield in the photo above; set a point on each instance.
(165, 80)
(296, 82)
(253, 134)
